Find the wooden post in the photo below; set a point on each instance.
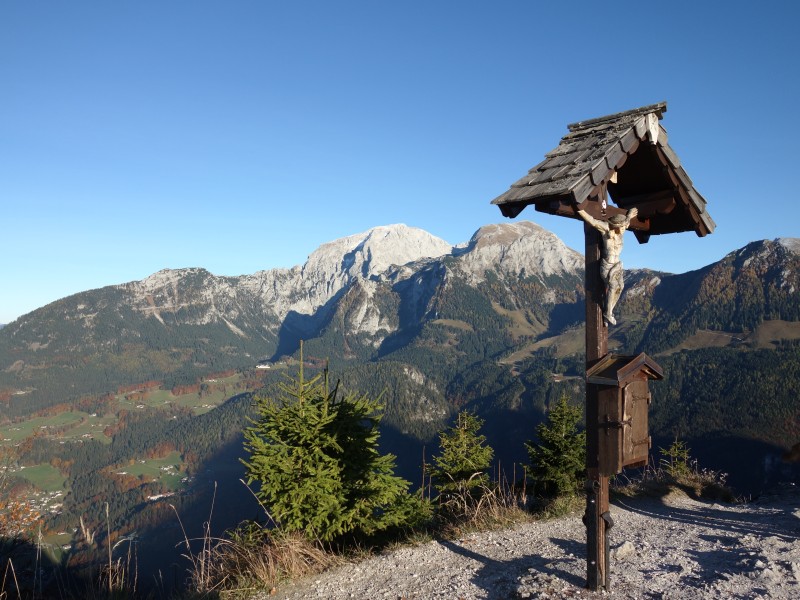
(597, 514)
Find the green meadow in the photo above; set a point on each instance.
(44, 477)
(166, 469)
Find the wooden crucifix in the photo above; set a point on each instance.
(625, 156)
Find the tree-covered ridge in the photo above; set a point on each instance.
(94, 342)
(757, 283)
(730, 391)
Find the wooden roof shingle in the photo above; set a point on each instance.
(628, 155)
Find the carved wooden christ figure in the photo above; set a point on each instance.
(610, 264)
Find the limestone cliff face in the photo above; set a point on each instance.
(269, 296)
(382, 255)
(362, 257)
(518, 249)
(380, 273)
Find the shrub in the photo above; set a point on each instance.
(314, 457)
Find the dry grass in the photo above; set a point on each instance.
(494, 506)
(252, 558)
(13, 582)
(660, 482)
(559, 506)
(236, 569)
(678, 471)
(455, 324)
(768, 333)
(523, 323)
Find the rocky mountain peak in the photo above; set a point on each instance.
(791, 244)
(335, 265)
(372, 252)
(505, 234)
(167, 278)
(766, 254)
(521, 247)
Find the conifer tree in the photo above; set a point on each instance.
(459, 472)
(558, 459)
(314, 456)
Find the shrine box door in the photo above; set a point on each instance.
(635, 437)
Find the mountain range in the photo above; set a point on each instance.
(493, 325)
(178, 323)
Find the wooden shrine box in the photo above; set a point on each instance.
(623, 400)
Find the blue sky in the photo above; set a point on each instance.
(240, 135)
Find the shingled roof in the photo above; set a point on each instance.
(626, 154)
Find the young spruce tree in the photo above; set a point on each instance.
(314, 456)
(459, 472)
(558, 459)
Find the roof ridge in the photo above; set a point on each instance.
(592, 160)
(659, 109)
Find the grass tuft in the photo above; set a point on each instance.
(677, 472)
(241, 568)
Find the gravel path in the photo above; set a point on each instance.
(674, 548)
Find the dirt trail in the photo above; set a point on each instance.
(672, 548)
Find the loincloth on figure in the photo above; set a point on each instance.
(611, 273)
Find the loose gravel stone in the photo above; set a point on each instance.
(675, 548)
